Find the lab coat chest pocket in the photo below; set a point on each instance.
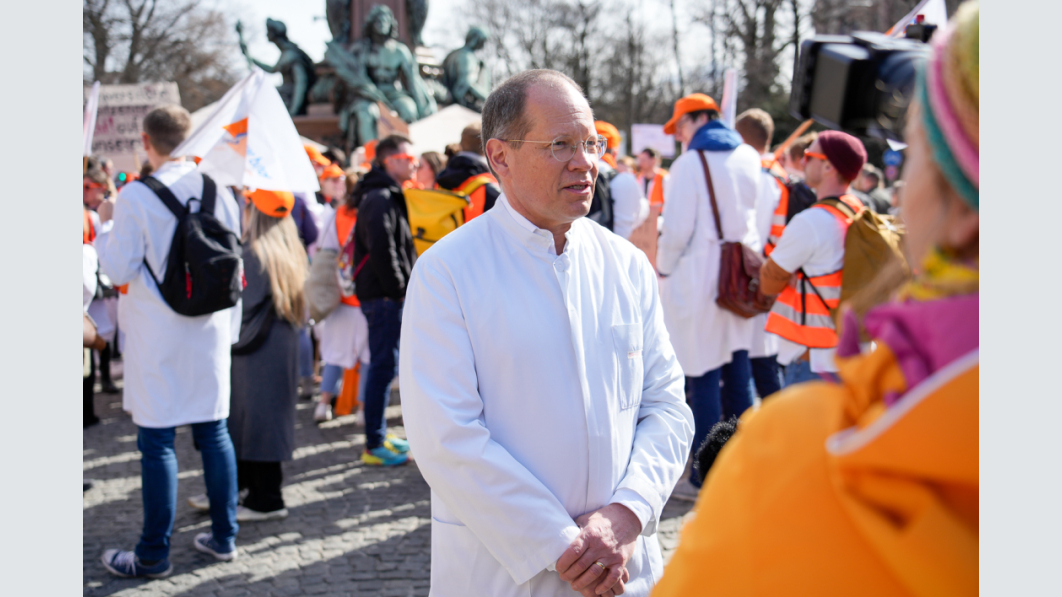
(627, 338)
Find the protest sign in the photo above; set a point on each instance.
(651, 135)
(119, 117)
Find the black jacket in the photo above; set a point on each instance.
(382, 232)
(459, 169)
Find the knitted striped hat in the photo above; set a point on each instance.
(948, 91)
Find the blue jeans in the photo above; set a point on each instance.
(330, 378)
(767, 374)
(711, 403)
(158, 475)
(385, 325)
(798, 372)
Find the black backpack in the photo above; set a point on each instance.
(601, 205)
(203, 270)
(801, 197)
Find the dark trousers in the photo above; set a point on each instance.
(767, 374)
(105, 364)
(385, 325)
(721, 393)
(262, 481)
(88, 409)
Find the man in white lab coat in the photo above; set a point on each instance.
(177, 368)
(541, 396)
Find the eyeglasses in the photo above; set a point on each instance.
(564, 150)
(812, 154)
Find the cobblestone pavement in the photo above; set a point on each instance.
(352, 529)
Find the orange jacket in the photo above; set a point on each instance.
(824, 491)
(345, 220)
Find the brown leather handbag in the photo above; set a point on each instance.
(739, 268)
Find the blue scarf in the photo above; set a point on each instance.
(715, 136)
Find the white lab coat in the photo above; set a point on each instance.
(704, 335)
(176, 368)
(536, 388)
(629, 206)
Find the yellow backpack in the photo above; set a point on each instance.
(433, 213)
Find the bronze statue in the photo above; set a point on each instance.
(295, 66)
(417, 12)
(377, 68)
(337, 12)
(465, 75)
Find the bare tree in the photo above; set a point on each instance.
(133, 41)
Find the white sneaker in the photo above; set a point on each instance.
(244, 514)
(200, 502)
(323, 412)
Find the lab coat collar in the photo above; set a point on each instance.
(538, 240)
(175, 165)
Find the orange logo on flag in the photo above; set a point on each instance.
(237, 138)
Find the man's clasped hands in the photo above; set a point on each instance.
(596, 561)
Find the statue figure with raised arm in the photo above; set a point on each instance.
(295, 66)
(465, 75)
(377, 68)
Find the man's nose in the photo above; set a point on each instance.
(583, 160)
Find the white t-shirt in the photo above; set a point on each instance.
(813, 240)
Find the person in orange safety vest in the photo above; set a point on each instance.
(466, 173)
(806, 267)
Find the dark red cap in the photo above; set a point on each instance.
(845, 152)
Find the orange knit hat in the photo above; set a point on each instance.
(609, 132)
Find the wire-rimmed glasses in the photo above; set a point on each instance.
(563, 148)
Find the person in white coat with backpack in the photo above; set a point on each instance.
(177, 367)
(711, 343)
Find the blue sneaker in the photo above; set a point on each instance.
(205, 543)
(393, 443)
(383, 456)
(127, 565)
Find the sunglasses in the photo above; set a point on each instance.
(812, 154)
(92, 185)
(403, 156)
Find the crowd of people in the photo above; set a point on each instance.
(567, 349)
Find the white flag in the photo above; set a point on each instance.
(729, 103)
(88, 124)
(250, 141)
(934, 11)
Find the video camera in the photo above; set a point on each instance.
(861, 84)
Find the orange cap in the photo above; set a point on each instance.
(332, 171)
(609, 132)
(370, 151)
(272, 203)
(315, 156)
(693, 102)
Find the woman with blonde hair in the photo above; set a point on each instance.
(265, 359)
(869, 485)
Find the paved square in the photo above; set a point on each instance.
(352, 529)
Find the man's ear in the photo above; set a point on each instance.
(497, 154)
(146, 140)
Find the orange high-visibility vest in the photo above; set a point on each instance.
(656, 195)
(781, 212)
(88, 231)
(475, 189)
(802, 312)
(345, 220)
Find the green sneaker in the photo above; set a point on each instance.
(393, 443)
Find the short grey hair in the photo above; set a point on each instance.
(503, 112)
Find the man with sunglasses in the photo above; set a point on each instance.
(383, 258)
(540, 392)
(812, 247)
